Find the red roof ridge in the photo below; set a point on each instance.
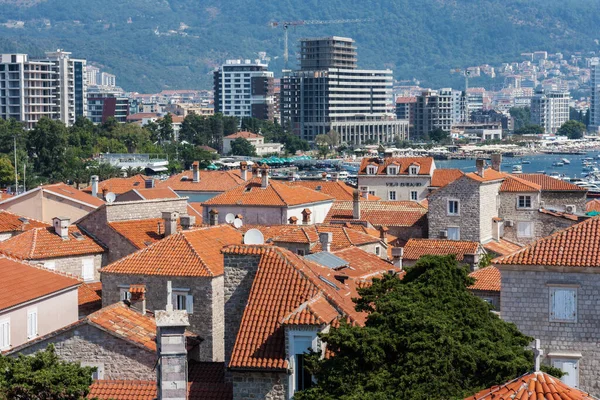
(193, 250)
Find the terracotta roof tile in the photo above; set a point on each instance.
(489, 175)
(576, 246)
(122, 390)
(64, 190)
(380, 213)
(195, 209)
(501, 247)
(513, 183)
(126, 323)
(157, 193)
(10, 222)
(275, 194)
(43, 243)
(551, 184)
(142, 232)
(210, 181)
(316, 311)
(441, 177)
(120, 185)
(90, 293)
(535, 386)
(361, 264)
(23, 282)
(592, 205)
(243, 134)
(336, 189)
(417, 248)
(487, 278)
(195, 252)
(425, 164)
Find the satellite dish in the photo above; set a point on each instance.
(229, 218)
(110, 197)
(237, 223)
(254, 236)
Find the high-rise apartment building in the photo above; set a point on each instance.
(437, 109)
(244, 89)
(70, 85)
(550, 109)
(595, 98)
(330, 93)
(104, 103)
(93, 74)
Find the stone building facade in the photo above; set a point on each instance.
(74, 264)
(260, 385)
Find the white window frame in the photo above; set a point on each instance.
(453, 227)
(524, 206)
(377, 250)
(88, 262)
(294, 336)
(416, 195)
(32, 323)
(392, 170)
(186, 298)
(413, 170)
(392, 195)
(4, 333)
(557, 360)
(99, 373)
(371, 170)
(532, 229)
(552, 293)
(124, 294)
(453, 214)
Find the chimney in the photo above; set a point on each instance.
(123, 174)
(95, 185)
(187, 221)
(469, 259)
(264, 171)
(104, 192)
(335, 176)
(170, 221)
(383, 233)
(138, 297)
(397, 255)
(196, 171)
(356, 204)
(324, 176)
(61, 226)
(364, 192)
(291, 176)
(213, 217)
(244, 170)
(480, 166)
(256, 170)
(325, 238)
(496, 161)
(293, 220)
(172, 367)
(306, 216)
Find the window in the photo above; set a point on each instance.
(371, 193)
(413, 170)
(454, 233)
(301, 346)
(392, 170)
(563, 304)
(392, 195)
(453, 207)
(524, 202)
(571, 367)
(371, 170)
(300, 252)
(98, 373)
(4, 334)
(32, 323)
(87, 269)
(125, 294)
(414, 195)
(524, 229)
(182, 300)
(303, 377)
(377, 250)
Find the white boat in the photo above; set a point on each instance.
(558, 164)
(517, 169)
(343, 175)
(565, 161)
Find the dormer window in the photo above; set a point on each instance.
(392, 170)
(413, 170)
(371, 170)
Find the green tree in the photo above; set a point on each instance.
(572, 129)
(438, 135)
(521, 116)
(43, 376)
(251, 124)
(242, 147)
(334, 138)
(47, 144)
(294, 144)
(165, 128)
(529, 129)
(7, 171)
(425, 337)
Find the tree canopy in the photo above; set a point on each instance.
(242, 147)
(521, 116)
(572, 129)
(438, 135)
(43, 376)
(426, 337)
(529, 129)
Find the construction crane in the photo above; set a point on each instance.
(286, 24)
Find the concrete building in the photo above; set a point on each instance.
(71, 86)
(244, 89)
(330, 93)
(255, 140)
(105, 103)
(92, 75)
(437, 109)
(595, 97)
(550, 109)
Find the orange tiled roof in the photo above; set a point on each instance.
(243, 134)
(380, 213)
(22, 282)
(42, 243)
(576, 246)
(489, 175)
(592, 205)
(513, 183)
(502, 247)
(275, 194)
(142, 232)
(187, 253)
(157, 193)
(195, 209)
(210, 181)
(10, 222)
(441, 177)
(338, 190)
(406, 99)
(425, 164)
(551, 184)
(361, 264)
(487, 278)
(120, 185)
(316, 311)
(65, 190)
(533, 385)
(417, 248)
(126, 323)
(89, 293)
(122, 390)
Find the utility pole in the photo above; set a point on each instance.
(16, 174)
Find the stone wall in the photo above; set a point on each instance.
(86, 343)
(488, 209)
(240, 271)
(525, 297)
(207, 317)
(260, 385)
(492, 297)
(74, 265)
(466, 191)
(558, 200)
(131, 210)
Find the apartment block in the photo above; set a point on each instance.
(437, 109)
(550, 109)
(244, 89)
(330, 93)
(71, 86)
(595, 98)
(104, 103)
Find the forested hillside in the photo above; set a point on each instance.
(160, 44)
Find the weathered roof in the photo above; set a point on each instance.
(513, 183)
(210, 181)
(90, 293)
(551, 184)
(441, 177)
(380, 213)
(487, 279)
(10, 222)
(489, 175)
(424, 163)
(122, 390)
(156, 193)
(243, 134)
(417, 248)
(501, 247)
(120, 185)
(141, 232)
(592, 205)
(336, 189)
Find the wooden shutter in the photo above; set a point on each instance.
(87, 272)
(4, 334)
(189, 303)
(32, 324)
